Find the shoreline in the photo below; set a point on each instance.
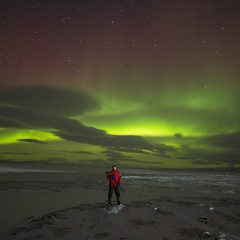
(79, 166)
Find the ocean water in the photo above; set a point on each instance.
(202, 181)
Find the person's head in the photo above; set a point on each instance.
(114, 167)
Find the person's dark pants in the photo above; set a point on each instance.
(110, 193)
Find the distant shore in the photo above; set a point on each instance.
(71, 166)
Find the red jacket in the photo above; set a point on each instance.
(114, 178)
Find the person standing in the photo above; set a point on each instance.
(114, 178)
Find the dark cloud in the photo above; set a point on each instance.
(226, 158)
(121, 142)
(8, 123)
(72, 130)
(178, 135)
(163, 155)
(227, 150)
(17, 153)
(30, 140)
(77, 152)
(231, 140)
(83, 152)
(46, 99)
(182, 158)
(162, 148)
(200, 162)
(44, 107)
(113, 156)
(129, 150)
(200, 156)
(55, 160)
(14, 116)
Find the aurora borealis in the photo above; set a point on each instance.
(140, 83)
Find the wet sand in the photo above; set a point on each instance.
(73, 206)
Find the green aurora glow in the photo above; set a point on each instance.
(136, 84)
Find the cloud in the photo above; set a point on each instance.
(113, 156)
(17, 153)
(207, 155)
(77, 152)
(30, 140)
(83, 152)
(231, 140)
(106, 140)
(50, 109)
(68, 129)
(128, 150)
(8, 123)
(49, 100)
(178, 135)
(17, 117)
(229, 158)
(72, 130)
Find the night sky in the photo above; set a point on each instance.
(150, 83)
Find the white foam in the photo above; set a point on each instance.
(115, 209)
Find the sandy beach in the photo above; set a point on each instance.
(71, 204)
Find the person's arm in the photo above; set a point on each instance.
(119, 177)
(110, 176)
